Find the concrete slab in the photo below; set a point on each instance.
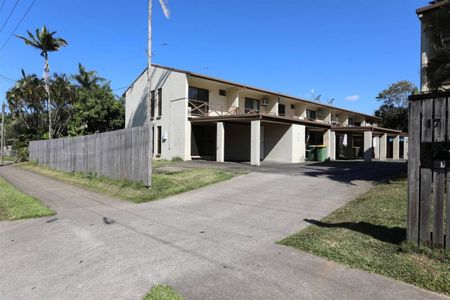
(217, 242)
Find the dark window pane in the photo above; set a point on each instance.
(159, 102)
(281, 109)
(193, 93)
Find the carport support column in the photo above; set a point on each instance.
(405, 148)
(333, 145)
(327, 141)
(396, 148)
(383, 147)
(368, 150)
(376, 147)
(220, 140)
(255, 143)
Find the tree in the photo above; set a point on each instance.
(394, 110)
(438, 29)
(87, 79)
(25, 104)
(97, 110)
(45, 41)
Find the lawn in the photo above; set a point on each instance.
(368, 234)
(162, 292)
(167, 180)
(16, 205)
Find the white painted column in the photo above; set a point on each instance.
(188, 141)
(327, 142)
(255, 143)
(396, 148)
(405, 148)
(220, 142)
(299, 143)
(368, 146)
(376, 146)
(333, 146)
(383, 147)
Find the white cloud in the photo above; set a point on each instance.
(352, 98)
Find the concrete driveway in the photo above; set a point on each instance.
(217, 242)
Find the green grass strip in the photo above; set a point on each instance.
(368, 234)
(162, 292)
(16, 205)
(164, 184)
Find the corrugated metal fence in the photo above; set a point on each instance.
(429, 170)
(121, 154)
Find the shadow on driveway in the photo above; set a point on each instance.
(394, 235)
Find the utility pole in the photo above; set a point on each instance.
(2, 144)
(149, 94)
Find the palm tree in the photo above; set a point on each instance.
(45, 41)
(87, 79)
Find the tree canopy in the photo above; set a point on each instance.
(79, 104)
(394, 108)
(437, 29)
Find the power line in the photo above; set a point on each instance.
(6, 78)
(121, 88)
(1, 6)
(10, 14)
(18, 24)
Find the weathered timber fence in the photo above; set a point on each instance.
(429, 170)
(121, 154)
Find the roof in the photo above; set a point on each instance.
(193, 74)
(433, 5)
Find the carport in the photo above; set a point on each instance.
(254, 138)
(370, 142)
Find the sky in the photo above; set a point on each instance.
(344, 50)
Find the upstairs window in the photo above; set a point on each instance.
(222, 93)
(281, 110)
(152, 104)
(160, 102)
(350, 122)
(252, 105)
(198, 101)
(198, 94)
(311, 114)
(293, 106)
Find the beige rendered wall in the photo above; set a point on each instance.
(284, 143)
(173, 121)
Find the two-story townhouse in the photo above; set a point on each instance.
(198, 116)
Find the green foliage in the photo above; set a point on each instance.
(368, 234)
(87, 79)
(97, 110)
(16, 205)
(394, 108)
(164, 183)
(437, 29)
(162, 292)
(43, 40)
(77, 108)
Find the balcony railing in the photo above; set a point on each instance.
(205, 109)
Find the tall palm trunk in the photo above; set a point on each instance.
(47, 90)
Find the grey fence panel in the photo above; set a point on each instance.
(429, 169)
(121, 154)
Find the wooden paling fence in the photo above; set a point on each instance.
(121, 154)
(429, 170)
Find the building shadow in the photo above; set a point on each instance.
(350, 171)
(392, 235)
